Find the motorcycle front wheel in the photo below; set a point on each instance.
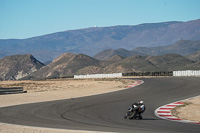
(131, 115)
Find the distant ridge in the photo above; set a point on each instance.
(182, 47)
(90, 41)
(105, 54)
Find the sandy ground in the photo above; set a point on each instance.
(48, 90)
(189, 111)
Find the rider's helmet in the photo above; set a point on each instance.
(141, 102)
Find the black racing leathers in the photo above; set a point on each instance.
(139, 108)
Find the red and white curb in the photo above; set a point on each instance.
(164, 112)
(137, 82)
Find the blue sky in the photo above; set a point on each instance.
(28, 18)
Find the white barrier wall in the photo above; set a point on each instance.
(99, 75)
(187, 73)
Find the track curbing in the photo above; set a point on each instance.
(138, 82)
(164, 112)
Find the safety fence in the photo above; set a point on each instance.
(99, 75)
(187, 73)
(125, 74)
(162, 73)
(156, 74)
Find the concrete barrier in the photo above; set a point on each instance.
(187, 73)
(174, 73)
(99, 75)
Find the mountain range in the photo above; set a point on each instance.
(27, 67)
(183, 47)
(92, 40)
(166, 46)
(70, 64)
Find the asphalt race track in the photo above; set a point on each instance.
(105, 112)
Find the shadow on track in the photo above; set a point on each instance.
(145, 119)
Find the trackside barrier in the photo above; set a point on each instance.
(161, 73)
(187, 73)
(99, 75)
(13, 90)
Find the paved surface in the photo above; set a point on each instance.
(105, 112)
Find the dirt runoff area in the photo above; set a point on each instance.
(189, 111)
(57, 89)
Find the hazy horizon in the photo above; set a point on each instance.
(25, 18)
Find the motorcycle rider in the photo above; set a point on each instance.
(139, 107)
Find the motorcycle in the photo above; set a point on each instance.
(133, 112)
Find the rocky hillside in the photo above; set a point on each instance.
(170, 62)
(70, 64)
(106, 54)
(167, 62)
(65, 65)
(194, 56)
(17, 66)
(90, 41)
